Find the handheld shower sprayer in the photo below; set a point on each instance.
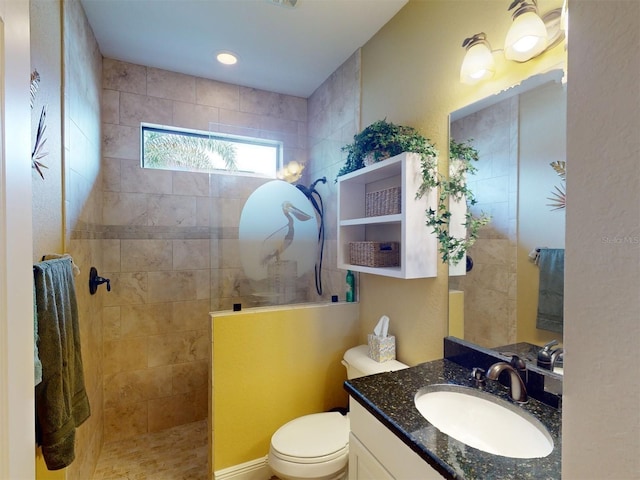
(316, 200)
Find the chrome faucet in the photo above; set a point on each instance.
(517, 389)
(557, 356)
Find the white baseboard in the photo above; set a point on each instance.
(253, 470)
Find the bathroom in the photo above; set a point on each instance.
(420, 311)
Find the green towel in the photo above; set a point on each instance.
(37, 364)
(551, 291)
(61, 399)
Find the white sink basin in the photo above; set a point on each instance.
(484, 421)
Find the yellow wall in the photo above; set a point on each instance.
(272, 365)
(410, 75)
(456, 313)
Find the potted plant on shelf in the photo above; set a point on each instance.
(453, 188)
(383, 139)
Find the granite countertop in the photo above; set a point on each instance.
(390, 398)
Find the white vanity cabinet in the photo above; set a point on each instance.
(375, 453)
(418, 245)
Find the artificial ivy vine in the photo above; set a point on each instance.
(453, 188)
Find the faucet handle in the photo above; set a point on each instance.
(518, 363)
(478, 375)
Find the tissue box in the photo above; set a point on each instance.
(382, 349)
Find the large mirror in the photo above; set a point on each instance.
(518, 135)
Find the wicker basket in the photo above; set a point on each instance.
(374, 254)
(382, 202)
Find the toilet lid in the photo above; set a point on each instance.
(312, 437)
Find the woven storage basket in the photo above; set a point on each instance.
(382, 202)
(374, 254)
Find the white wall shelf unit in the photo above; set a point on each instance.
(418, 245)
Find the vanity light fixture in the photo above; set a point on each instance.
(227, 58)
(478, 63)
(529, 36)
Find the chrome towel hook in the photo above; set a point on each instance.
(95, 280)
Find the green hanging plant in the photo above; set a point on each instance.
(453, 188)
(382, 140)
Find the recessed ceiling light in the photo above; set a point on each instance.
(227, 58)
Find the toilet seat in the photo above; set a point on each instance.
(315, 438)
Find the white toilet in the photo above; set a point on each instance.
(316, 446)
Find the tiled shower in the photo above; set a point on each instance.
(170, 238)
(167, 240)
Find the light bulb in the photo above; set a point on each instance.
(478, 63)
(227, 58)
(527, 37)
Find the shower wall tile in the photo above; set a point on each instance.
(191, 254)
(191, 315)
(136, 179)
(245, 120)
(125, 421)
(172, 210)
(217, 94)
(273, 104)
(135, 109)
(146, 255)
(197, 117)
(120, 141)
(215, 254)
(229, 254)
(145, 319)
(111, 255)
(171, 85)
(203, 280)
(124, 77)
(111, 174)
(172, 286)
(226, 212)
(187, 377)
(125, 354)
(190, 183)
(171, 411)
(138, 385)
(124, 208)
(178, 347)
(127, 288)
(110, 106)
(202, 212)
(111, 323)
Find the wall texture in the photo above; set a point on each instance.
(600, 419)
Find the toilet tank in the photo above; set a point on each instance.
(359, 364)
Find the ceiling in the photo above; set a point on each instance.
(280, 49)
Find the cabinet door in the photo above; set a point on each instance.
(363, 465)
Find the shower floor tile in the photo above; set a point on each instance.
(178, 453)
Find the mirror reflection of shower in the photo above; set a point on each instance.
(279, 240)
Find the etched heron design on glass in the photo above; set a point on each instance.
(276, 243)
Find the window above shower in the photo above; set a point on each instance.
(172, 148)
